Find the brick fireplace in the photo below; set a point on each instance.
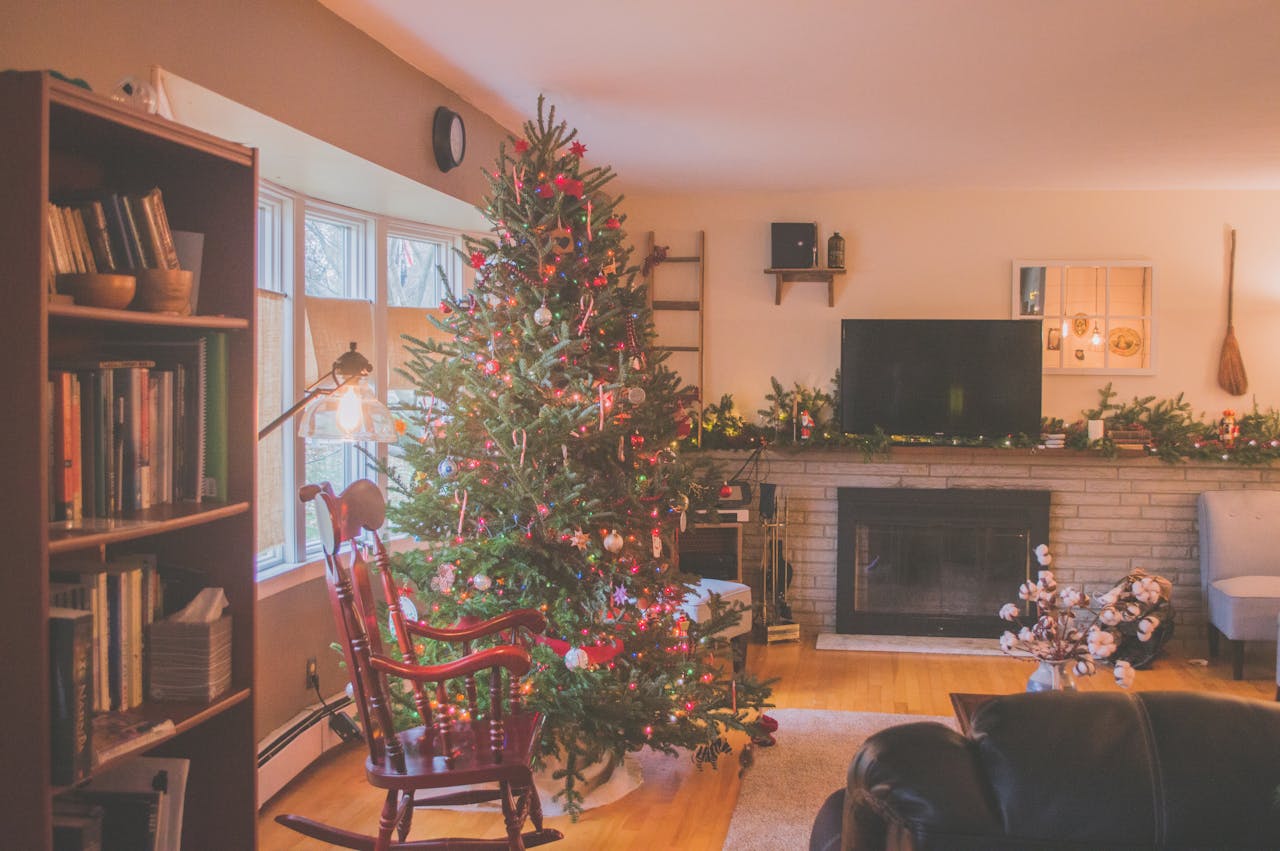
(1106, 516)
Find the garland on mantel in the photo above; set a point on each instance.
(1164, 428)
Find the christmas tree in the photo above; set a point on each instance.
(545, 472)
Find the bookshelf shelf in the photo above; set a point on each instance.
(153, 521)
(75, 312)
(62, 145)
(185, 716)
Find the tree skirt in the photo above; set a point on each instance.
(782, 791)
(910, 644)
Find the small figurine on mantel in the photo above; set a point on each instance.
(1228, 428)
(806, 425)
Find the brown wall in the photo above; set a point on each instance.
(299, 63)
(293, 60)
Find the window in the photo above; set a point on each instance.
(1097, 317)
(328, 276)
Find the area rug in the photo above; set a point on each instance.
(910, 644)
(782, 791)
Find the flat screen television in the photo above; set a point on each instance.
(954, 377)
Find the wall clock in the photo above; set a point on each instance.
(448, 138)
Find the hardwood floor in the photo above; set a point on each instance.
(679, 807)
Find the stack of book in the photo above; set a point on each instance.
(1053, 441)
(135, 806)
(139, 430)
(111, 233)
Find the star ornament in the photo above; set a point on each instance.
(579, 539)
(620, 595)
(578, 149)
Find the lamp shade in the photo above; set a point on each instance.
(351, 413)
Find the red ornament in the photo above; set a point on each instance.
(637, 440)
(545, 190)
(599, 281)
(445, 308)
(726, 491)
(569, 186)
(578, 149)
(477, 260)
(491, 367)
(521, 146)
(612, 223)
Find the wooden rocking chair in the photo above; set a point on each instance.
(466, 751)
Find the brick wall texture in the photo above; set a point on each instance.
(1107, 517)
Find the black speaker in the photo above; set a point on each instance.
(794, 244)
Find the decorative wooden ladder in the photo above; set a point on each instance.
(696, 305)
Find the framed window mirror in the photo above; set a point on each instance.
(1098, 316)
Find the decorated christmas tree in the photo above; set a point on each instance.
(545, 473)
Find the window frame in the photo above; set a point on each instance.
(366, 279)
(1105, 314)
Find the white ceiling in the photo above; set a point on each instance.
(805, 94)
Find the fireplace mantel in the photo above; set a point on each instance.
(1106, 516)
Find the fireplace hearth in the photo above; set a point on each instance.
(919, 561)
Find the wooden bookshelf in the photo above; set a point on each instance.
(62, 141)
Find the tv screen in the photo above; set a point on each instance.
(961, 377)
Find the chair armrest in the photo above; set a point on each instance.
(508, 656)
(528, 618)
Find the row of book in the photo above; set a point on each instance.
(131, 433)
(135, 806)
(111, 233)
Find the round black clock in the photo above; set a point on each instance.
(448, 138)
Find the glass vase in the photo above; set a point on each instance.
(1052, 676)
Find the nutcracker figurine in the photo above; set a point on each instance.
(1228, 430)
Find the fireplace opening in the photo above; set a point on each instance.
(914, 561)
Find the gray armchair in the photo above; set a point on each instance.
(1240, 567)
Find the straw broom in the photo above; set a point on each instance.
(1231, 374)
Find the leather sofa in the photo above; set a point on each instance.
(1113, 770)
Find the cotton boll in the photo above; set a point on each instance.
(1009, 612)
(1102, 643)
(1124, 674)
(1025, 634)
(1084, 667)
(1047, 581)
(1131, 611)
(1007, 641)
(1147, 628)
(1029, 591)
(1070, 597)
(1042, 553)
(1109, 616)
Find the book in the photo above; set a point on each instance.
(95, 221)
(158, 220)
(92, 575)
(215, 418)
(167, 775)
(132, 232)
(124, 731)
(77, 825)
(64, 490)
(80, 235)
(145, 222)
(70, 694)
(118, 227)
(133, 809)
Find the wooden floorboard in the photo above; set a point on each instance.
(679, 807)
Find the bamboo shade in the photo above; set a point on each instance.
(415, 322)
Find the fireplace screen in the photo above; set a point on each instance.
(918, 562)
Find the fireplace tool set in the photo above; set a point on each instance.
(775, 623)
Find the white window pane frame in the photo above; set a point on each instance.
(1108, 316)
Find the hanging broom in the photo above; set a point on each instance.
(1231, 374)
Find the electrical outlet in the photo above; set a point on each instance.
(313, 674)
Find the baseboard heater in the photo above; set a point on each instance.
(289, 749)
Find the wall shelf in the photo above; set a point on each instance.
(814, 275)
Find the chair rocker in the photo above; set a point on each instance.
(469, 757)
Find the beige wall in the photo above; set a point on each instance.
(291, 59)
(947, 255)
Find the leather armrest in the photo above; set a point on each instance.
(924, 776)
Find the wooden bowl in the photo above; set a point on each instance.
(164, 291)
(99, 289)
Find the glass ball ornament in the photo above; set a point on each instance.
(542, 316)
(635, 395)
(613, 541)
(447, 468)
